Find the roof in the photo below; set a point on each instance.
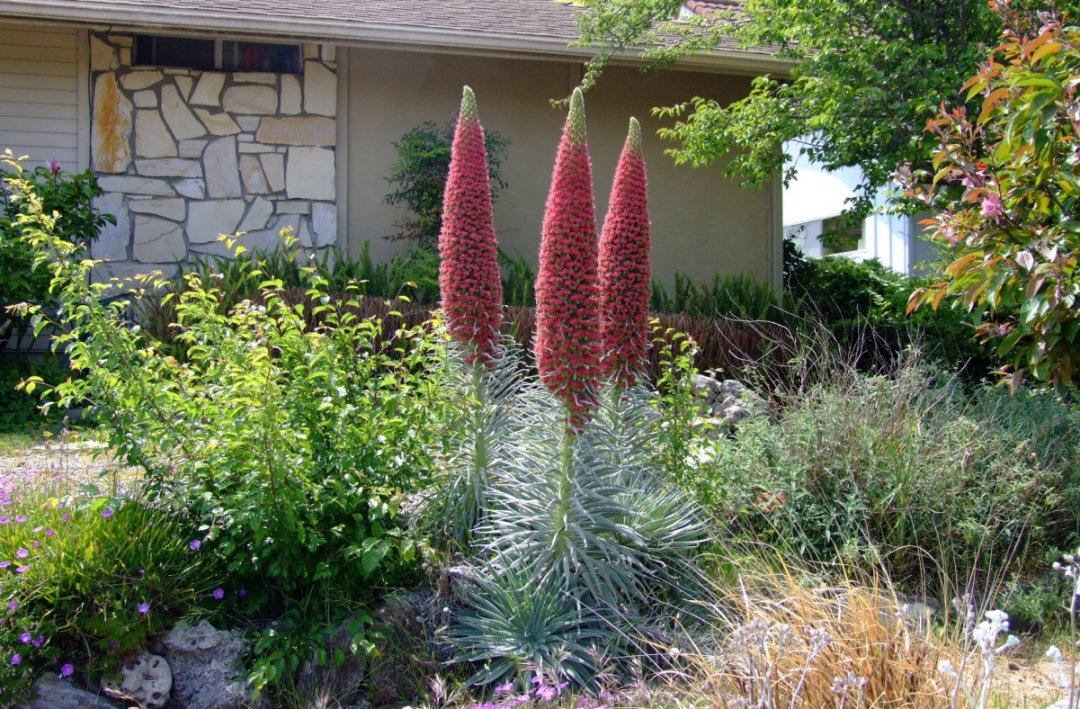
(513, 26)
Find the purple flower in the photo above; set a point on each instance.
(66, 670)
(22, 569)
(194, 545)
(547, 693)
(485, 705)
(66, 517)
(219, 593)
(991, 206)
(504, 688)
(20, 519)
(21, 553)
(36, 544)
(4, 564)
(144, 608)
(25, 638)
(54, 167)
(107, 512)
(39, 641)
(13, 605)
(49, 532)
(4, 520)
(16, 659)
(242, 592)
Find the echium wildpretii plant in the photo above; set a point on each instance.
(625, 288)
(469, 281)
(567, 342)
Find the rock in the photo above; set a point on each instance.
(292, 206)
(174, 209)
(221, 169)
(158, 240)
(250, 100)
(257, 217)
(329, 53)
(291, 96)
(52, 692)
(320, 89)
(152, 138)
(147, 680)
(209, 219)
(102, 56)
(142, 186)
(184, 84)
(112, 242)
(217, 123)
(192, 148)
(273, 166)
(731, 387)
(110, 134)
(298, 131)
(192, 189)
(169, 167)
(183, 123)
(248, 123)
(252, 174)
(145, 99)
(139, 80)
(309, 174)
(208, 90)
(206, 667)
(706, 387)
(324, 223)
(255, 77)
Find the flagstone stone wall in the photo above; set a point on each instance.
(184, 156)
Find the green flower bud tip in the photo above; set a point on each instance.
(576, 120)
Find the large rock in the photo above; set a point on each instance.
(724, 404)
(158, 240)
(209, 219)
(152, 138)
(252, 100)
(324, 223)
(208, 90)
(206, 667)
(320, 89)
(112, 242)
(273, 166)
(174, 209)
(221, 169)
(183, 123)
(169, 167)
(146, 680)
(217, 123)
(139, 80)
(309, 174)
(51, 692)
(312, 131)
(129, 184)
(291, 96)
(110, 135)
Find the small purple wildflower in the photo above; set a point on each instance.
(144, 608)
(547, 693)
(504, 688)
(140, 571)
(21, 553)
(20, 519)
(66, 517)
(107, 512)
(66, 670)
(219, 593)
(242, 592)
(39, 641)
(521, 699)
(4, 564)
(22, 569)
(4, 520)
(49, 532)
(25, 638)
(991, 206)
(113, 645)
(36, 544)
(194, 545)
(485, 705)
(16, 659)
(13, 605)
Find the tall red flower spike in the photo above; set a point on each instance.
(469, 279)
(625, 289)
(567, 295)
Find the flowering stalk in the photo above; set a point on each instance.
(624, 267)
(469, 280)
(567, 342)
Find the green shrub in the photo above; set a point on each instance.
(912, 472)
(419, 177)
(290, 441)
(89, 585)
(734, 296)
(19, 411)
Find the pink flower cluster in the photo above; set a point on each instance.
(567, 342)
(469, 279)
(625, 288)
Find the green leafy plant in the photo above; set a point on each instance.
(419, 177)
(730, 296)
(1007, 186)
(290, 444)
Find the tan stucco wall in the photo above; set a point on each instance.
(702, 223)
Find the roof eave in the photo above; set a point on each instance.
(325, 30)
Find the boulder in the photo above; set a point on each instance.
(145, 680)
(52, 692)
(206, 667)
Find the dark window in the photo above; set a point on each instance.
(220, 55)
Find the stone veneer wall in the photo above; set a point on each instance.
(184, 156)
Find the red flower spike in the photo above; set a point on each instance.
(567, 343)
(469, 279)
(625, 289)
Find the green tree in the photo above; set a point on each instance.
(1007, 184)
(866, 76)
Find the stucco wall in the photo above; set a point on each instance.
(703, 224)
(185, 156)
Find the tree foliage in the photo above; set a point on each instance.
(1007, 181)
(865, 77)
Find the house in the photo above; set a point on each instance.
(203, 117)
(813, 202)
